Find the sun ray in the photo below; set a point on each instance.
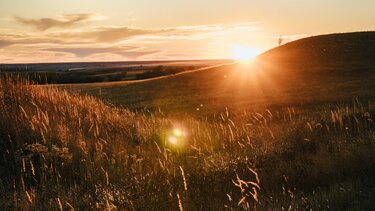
(244, 54)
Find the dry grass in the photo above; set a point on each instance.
(65, 151)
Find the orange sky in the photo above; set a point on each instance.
(113, 30)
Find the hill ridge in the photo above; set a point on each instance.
(328, 48)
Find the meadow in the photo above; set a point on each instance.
(269, 136)
(91, 72)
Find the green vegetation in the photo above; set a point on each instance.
(158, 71)
(67, 73)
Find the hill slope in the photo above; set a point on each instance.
(62, 151)
(332, 48)
(324, 68)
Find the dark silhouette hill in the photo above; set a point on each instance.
(335, 68)
(323, 49)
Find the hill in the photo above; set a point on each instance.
(337, 67)
(63, 151)
(324, 49)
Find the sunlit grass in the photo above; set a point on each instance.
(64, 151)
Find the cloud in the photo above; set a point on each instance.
(8, 39)
(35, 40)
(5, 43)
(127, 51)
(115, 34)
(246, 26)
(119, 33)
(43, 24)
(111, 34)
(89, 43)
(195, 32)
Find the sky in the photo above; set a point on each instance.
(121, 30)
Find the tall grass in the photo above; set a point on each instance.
(65, 151)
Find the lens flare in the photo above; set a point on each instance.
(176, 139)
(172, 140)
(177, 132)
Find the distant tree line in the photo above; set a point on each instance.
(94, 76)
(64, 77)
(161, 71)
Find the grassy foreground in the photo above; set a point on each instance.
(63, 151)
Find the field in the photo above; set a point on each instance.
(292, 130)
(90, 72)
(332, 68)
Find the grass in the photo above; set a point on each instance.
(240, 87)
(65, 151)
(73, 73)
(264, 137)
(328, 68)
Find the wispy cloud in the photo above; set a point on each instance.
(246, 26)
(89, 42)
(111, 34)
(43, 24)
(114, 34)
(8, 40)
(127, 51)
(5, 43)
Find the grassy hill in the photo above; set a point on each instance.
(66, 151)
(336, 49)
(335, 67)
(262, 137)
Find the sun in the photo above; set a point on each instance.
(244, 54)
